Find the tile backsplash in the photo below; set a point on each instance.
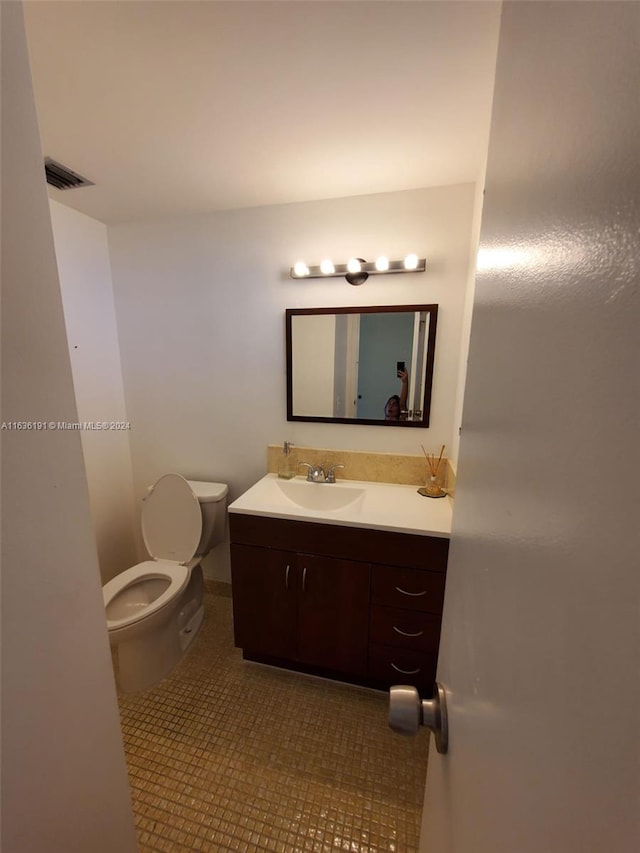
(411, 470)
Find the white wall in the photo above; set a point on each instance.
(82, 254)
(64, 778)
(540, 646)
(200, 307)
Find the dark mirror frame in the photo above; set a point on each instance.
(432, 310)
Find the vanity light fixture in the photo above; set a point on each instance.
(357, 270)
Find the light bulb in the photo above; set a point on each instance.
(382, 264)
(327, 267)
(354, 265)
(411, 262)
(301, 268)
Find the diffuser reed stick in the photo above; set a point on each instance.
(433, 488)
(431, 460)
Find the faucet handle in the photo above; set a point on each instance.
(331, 476)
(309, 470)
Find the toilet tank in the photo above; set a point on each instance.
(213, 505)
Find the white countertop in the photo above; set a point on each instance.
(381, 506)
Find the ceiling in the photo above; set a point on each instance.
(176, 107)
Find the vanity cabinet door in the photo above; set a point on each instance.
(333, 613)
(265, 590)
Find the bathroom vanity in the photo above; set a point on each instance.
(352, 592)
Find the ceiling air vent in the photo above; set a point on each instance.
(63, 178)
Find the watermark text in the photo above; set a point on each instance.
(60, 426)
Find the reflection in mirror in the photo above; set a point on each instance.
(369, 365)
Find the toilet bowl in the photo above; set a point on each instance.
(155, 609)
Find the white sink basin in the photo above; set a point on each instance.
(323, 497)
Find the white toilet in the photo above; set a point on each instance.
(154, 610)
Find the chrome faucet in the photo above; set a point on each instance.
(316, 473)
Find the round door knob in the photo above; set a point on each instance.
(407, 713)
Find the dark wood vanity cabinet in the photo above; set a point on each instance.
(300, 607)
(350, 603)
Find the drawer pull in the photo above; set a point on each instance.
(405, 671)
(406, 634)
(412, 594)
(304, 579)
(286, 577)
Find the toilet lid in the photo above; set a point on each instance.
(171, 520)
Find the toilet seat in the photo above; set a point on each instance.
(178, 576)
(171, 519)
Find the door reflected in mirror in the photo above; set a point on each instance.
(359, 365)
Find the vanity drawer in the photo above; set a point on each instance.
(410, 589)
(408, 629)
(402, 666)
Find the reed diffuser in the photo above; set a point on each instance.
(433, 489)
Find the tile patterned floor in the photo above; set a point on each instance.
(226, 755)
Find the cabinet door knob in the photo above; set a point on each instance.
(407, 634)
(414, 594)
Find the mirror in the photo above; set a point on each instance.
(369, 365)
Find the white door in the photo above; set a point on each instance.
(541, 632)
